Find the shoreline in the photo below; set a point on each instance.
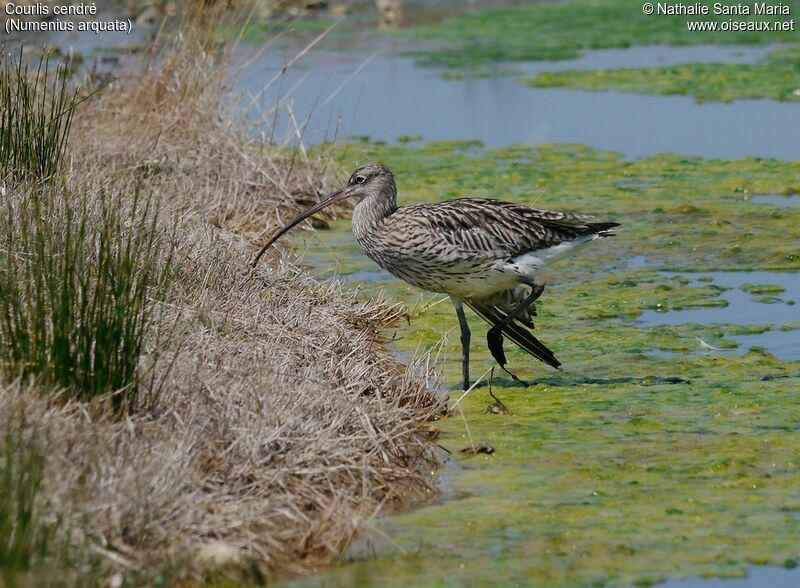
(281, 426)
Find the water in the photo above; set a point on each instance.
(369, 89)
(767, 577)
(785, 345)
(778, 199)
(742, 308)
(373, 91)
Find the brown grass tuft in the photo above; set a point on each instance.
(283, 429)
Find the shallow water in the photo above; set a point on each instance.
(742, 308)
(768, 577)
(784, 345)
(777, 199)
(390, 97)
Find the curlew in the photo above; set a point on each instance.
(483, 253)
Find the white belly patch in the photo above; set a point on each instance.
(529, 264)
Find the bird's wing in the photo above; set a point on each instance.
(483, 225)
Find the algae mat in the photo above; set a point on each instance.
(561, 30)
(470, 45)
(777, 78)
(627, 467)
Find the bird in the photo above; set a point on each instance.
(484, 253)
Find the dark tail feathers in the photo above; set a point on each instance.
(516, 332)
(601, 229)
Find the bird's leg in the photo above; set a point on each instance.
(536, 292)
(496, 407)
(465, 337)
(494, 337)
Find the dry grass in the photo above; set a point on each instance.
(283, 427)
(281, 432)
(168, 124)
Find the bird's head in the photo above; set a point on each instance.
(373, 180)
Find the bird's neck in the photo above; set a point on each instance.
(371, 211)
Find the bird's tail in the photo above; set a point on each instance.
(601, 229)
(514, 331)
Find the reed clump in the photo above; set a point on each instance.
(80, 277)
(35, 118)
(80, 263)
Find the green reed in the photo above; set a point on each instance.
(36, 111)
(80, 278)
(24, 536)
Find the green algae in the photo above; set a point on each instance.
(624, 467)
(608, 484)
(763, 288)
(777, 78)
(561, 30)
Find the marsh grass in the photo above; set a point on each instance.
(80, 266)
(24, 537)
(36, 111)
(81, 274)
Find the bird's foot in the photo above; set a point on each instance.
(536, 290)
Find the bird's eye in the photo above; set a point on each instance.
(360, 179)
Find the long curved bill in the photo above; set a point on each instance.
(342, 194)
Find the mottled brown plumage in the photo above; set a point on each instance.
(483, 253)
